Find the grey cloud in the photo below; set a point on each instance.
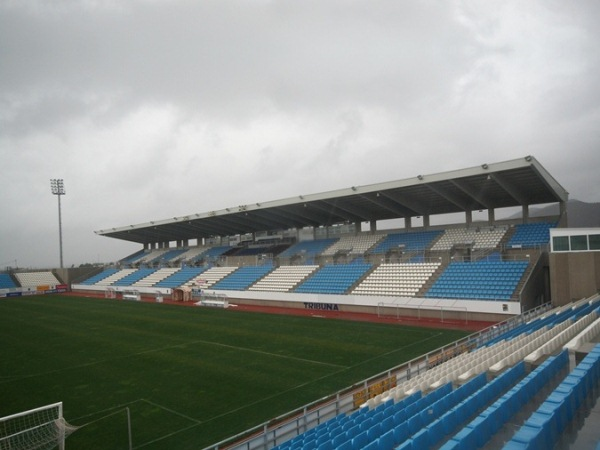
(155, 109)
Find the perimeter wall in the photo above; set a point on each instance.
(573, 276)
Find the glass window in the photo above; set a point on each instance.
(560, 243)
(579, 243)
(594, 241)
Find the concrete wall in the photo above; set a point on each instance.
(389, 306)
(536, 291)
(573, 276)
(72, 275)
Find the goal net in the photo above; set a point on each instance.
(37, 429)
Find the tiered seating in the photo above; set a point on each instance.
(403, 280)
(180, 278)
(33, 279)
(529, 235)
(415, 241)
(309, 249)
(552, 417)
(211, 276)
(211, 253)
(155, 277)
(284, 278)
(586, 335)
(251, 251)
(578, 324)
(100, 276)
(6, 282)
(448, 418)
(109, 280)
(494, 357)
(167, 256)
(480, 237)
(472, 414)
(481, 429)
(356, 244)
(132, 258)
(549, 319)
(133, 277)
(415, 422)
(489, 280)
(242, 278)
(191, 253)
(334, 279)
(152, 255)
(386, 426)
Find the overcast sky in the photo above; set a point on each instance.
(150, 109)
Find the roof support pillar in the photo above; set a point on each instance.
(426, 221)
(408, 222)
(492, 216)
(525, 213)
(373, 226)
(469, 218)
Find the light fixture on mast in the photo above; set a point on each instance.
(58, 188)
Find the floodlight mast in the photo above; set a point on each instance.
(58, 188)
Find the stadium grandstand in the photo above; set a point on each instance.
(382, 248)
(386, 249)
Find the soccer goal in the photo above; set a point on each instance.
(41, 428)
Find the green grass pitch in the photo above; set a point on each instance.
(190, 376)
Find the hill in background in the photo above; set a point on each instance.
(580, 214)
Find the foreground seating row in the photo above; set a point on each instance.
(482, 408)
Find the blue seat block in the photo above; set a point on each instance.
(467, 437)
(528, 438)
(374, 432)
(436, 431)
(406, 445)
(327, 445)
(386, 440)
(451, 444)
(415, 423)
(401, 433)
(450, 421)
(373, 445)
(360, 440)
(339, 440)
(399, 417)
(421, 439)
(546, 425)
(345, 446)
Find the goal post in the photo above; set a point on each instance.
(42, 428)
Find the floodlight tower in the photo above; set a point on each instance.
(58, 189)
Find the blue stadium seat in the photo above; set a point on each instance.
(242, 278)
